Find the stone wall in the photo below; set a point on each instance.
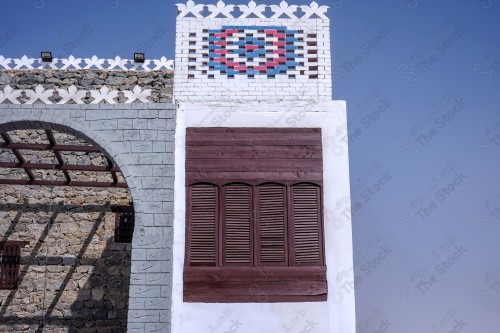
(158, 84)
(73, 275)
(139, 138)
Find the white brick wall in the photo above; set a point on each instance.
(196, 82)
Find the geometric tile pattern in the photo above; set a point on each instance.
(256, 50)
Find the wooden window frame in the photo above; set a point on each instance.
(10, 267)
(256, 281)
(124, 234)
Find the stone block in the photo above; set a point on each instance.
(158, 254)
(158, 279)
(144, 316)
(163, 327)
(144, 267)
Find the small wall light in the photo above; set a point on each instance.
(46, 56)
(139, 57)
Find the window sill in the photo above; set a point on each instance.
(255, 284)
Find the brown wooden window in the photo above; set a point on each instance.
(124, 227)
(10, 262)
(254, 229)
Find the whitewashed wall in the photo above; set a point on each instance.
(191, 84)
(334, 316)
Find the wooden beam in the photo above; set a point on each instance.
(218, 298)
(41, 146)
(57, 154)
(18, 155)
(249, 274)
(61, 165)
(113, 172)
(61, 183)
(48, 166)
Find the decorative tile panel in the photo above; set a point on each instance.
(255, 56)
(258, 50)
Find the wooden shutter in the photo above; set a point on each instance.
(242, 244)
(237, 225)
(202, 224)
(253, 155)
(10, 259)
(307, 231)
(272, 241)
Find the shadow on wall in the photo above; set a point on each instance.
(73, 277)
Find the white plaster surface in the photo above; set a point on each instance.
(337, 315)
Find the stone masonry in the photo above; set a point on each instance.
(139, 138)
(160, 82)
(73, 275)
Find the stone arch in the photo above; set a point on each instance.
(117, 130)
(76, 129)
(66, 125)
(86, 278)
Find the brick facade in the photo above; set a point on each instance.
(288, 60)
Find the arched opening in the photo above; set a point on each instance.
(61, 199)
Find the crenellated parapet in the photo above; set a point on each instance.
(86, 63)
(283, 10)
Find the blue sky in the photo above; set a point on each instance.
(422, 83)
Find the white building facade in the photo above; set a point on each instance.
(258, 71)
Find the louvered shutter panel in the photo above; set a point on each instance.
(307, 224)
(252, 236)
(238, 235)
(272, 225)
(10, 258)
(202, 217)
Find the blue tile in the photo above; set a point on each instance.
(253, 72)
(240, 51)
